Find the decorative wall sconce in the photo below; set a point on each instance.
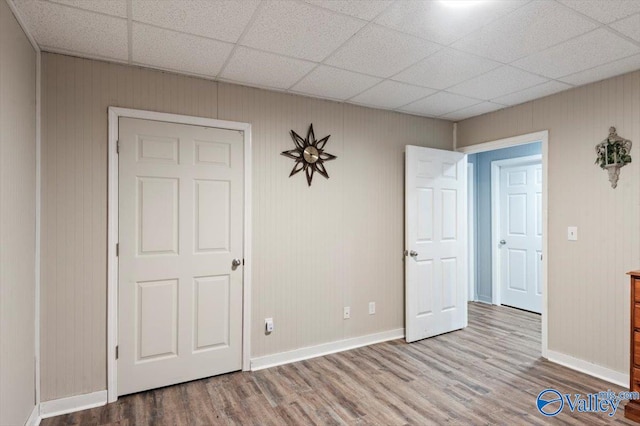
(613, 153)
(309, 154)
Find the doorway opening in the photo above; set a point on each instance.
(508, 223)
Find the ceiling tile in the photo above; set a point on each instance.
(381, 52)
(584, 52)
(435, 21)
(76, 31)
(265, 69)
(607, 70)
(535, 92)
(363, 9)
(534, 27)
(629, 26)
(497, 82)
(111, 7)
(439, 104)
(604, 11)
(390, 94)
(299, 30)
(334, 83)
(167, 49)
(446, 68)
(222, 20)
(472, 111)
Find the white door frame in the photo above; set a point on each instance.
(496, 263)
(471, 229)
(543, 137)
(112, 237)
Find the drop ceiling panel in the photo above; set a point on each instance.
(299, 30)
(165, 49)
(446, 68)
(381, 52)
(392, 54)
(604, 11)
(334, 83)
(472, 111)
(363, 9)
(439, 22)
(222, 20)
(439, 104)
(535, 92)
(67, 29)
(607, 70)
(391, 95)
(112, 7)
(275, 71)
(497, 82)
(629, 26)
(534, 27)
(590, 50)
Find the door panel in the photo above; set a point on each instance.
(435, 227)
(180, 217)
(521, 230)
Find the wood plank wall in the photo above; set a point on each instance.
(588, 290)
(338, 243)
(17, 220)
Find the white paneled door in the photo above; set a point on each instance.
(180, 230)
(436, 241)
(521, 236)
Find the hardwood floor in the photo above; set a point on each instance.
(488, 373)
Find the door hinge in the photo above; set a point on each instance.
(117, 147)
(117, 249)
(117, 351)
(243, 262)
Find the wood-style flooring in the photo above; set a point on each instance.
(488, 373)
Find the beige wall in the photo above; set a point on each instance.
(338, 243)
(587, 287)
(17, 220)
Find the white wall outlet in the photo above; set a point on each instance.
(346, 313)
(268, 325)
(572, 233)
(372, 308)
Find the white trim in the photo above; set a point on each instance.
(71, 404)
(24, 27)
(38, 224)
(471, 226)
(496, 264)
(309, 352)
(595, 370)
(543, 137)
(112, 265)
(505, 143)
(34, 418)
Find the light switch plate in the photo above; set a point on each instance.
(572, 233)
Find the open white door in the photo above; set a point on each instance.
(436, 241)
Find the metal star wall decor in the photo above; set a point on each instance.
(309, 154)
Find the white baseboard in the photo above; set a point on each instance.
(34, 419)
(595, 370)
(324, 349)
(57, 407)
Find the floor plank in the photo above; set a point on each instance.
(489, 373)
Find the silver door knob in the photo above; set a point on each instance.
(236, 262)
(413, 253)
(502, 242)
